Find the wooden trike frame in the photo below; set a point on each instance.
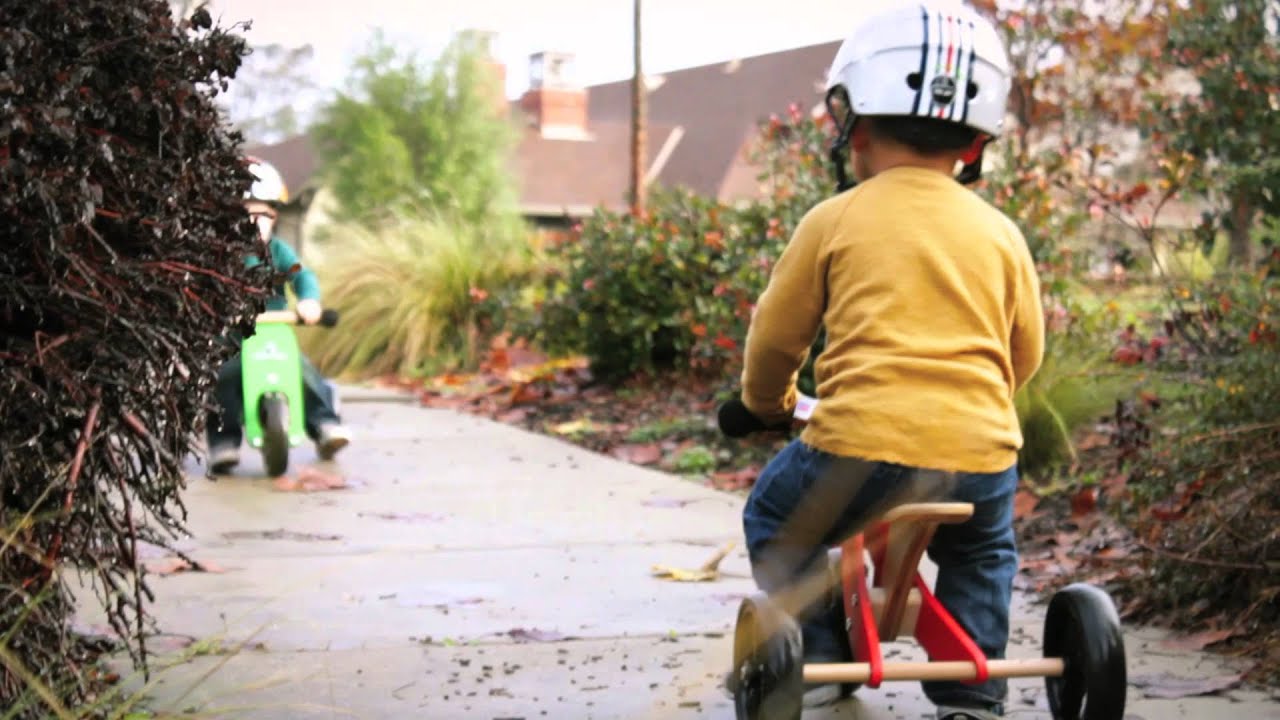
(896, 601)
(887, 598)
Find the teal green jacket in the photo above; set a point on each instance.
(285, 260)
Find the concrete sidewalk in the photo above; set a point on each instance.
(474, 570)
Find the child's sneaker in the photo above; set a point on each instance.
(823, 695)
(223, 459)
(332, 438)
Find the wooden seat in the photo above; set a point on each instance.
(941, 513)
(910, 529)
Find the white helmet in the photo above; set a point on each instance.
(929, 59)
(268, 185)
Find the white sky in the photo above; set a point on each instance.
(675, 33)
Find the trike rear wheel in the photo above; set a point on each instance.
(1083, 629)
(768, 663)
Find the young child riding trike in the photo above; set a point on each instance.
(931, 306)
(269, 392)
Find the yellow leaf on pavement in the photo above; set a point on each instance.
(710, 570)
(681, 575)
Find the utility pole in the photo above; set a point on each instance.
(638, 123)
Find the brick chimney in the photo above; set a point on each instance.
(555, 103)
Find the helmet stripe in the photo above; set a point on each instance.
(954, 66)
(924, 57)
(968, 76)
(951, 47)
(937, 64)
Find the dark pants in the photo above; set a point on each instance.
(225, 428)
(976, 560)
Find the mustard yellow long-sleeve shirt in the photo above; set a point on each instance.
(932, 310)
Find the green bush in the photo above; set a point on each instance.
(417, 294)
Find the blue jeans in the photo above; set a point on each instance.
(976, 560)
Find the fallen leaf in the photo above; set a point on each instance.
(311, 479)
(1084, 502)
(174, 565)
(1172, 687)
(523, 393)
(498, 361)
(514, 416)
(709, 571)
(1111, 552)
(535, 635)
(572, 427)
(451, 379)
(166, 566)
(639, 454)
(682, 575)
(1024, 503)
(1200, 640)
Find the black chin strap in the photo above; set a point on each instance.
(840, 159)
(839, 156)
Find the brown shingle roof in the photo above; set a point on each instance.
(715, 108)
(574, 176)
(717, 104)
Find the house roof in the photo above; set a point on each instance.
(719, 106)
(573, 176)
(700, 120)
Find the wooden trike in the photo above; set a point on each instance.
(886, 599)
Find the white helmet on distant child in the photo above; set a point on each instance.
(268, 185)
(930, 59)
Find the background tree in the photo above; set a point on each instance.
(1228, 124)
(409, 134)
(274, 96)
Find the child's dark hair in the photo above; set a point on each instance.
(927, 136)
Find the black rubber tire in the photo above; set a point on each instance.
(275, 435)
(1083, 628)
(768, 663)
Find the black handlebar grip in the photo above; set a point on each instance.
(329, 317)
(736, 420)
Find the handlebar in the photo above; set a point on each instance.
(328, 318)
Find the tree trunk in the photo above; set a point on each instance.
(1242, 214)
(638, 122)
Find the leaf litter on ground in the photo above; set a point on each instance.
(708, 572)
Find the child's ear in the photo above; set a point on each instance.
(860, 138)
